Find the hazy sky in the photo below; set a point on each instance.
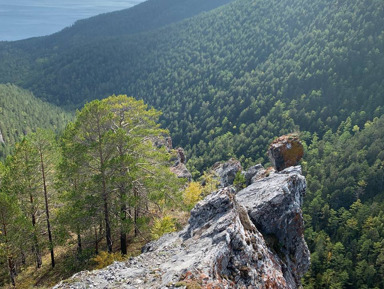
(21, 19)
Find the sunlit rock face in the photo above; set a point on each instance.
(250, 239)
(274, 207)
(285, 151)
(1, 138)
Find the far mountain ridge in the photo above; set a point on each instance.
(145, 16)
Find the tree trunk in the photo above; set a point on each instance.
(12, 270)
(11, 265)
(123, 243)
(123, 233)
(136, 212)
(47, 210)
(108, 235)
(79, 245)
(96, 242)
(36, 247)
(23, 258)
(107, 223)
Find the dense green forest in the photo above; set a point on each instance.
(230, 80)
(19, 58)
(102, 184)
(344, 206)
(22, 113)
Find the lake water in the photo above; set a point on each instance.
(20, 19)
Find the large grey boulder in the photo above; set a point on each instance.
(252, 239)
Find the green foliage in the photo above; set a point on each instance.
(107, 179)
(23, 181)
(228, 81)
(239, 181)
(13, 227)
(147, 16)
(162, 226)
(210, 182)
(22, 113)
(111, 172)
(344, 207)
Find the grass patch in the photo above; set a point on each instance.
(67, 264)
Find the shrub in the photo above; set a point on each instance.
(239, 181)
(192, 194)
(104, 259)
(162, 226)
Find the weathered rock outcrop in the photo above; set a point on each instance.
(1, 138)
(285, 151)
(227, 171)
(179, 168)
(274, 206)
(252, 239)
(253, 174)
(162, 141)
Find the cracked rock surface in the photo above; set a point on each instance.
(252, 239)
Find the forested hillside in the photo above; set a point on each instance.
(19, 58)
(344, 207)
(22, 113)
(229, 80)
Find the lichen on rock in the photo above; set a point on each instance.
(285, 151)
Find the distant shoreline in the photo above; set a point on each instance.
(24, 19)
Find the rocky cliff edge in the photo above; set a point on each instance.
(250, 239)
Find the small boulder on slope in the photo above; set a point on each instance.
(179, 168)
(285, 151)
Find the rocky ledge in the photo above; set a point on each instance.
(250, 239)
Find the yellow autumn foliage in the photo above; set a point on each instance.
(162, 226)
(104, 259)
(192, 194)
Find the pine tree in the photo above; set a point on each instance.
(80, 210)
(12, 228)
(109, 157)
(44, 144)
(23, 180)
